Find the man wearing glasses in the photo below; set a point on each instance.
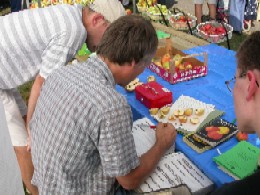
(245, 88)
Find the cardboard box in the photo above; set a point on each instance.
(173, 74)
(153, 95)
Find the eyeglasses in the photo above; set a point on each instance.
(231, 83)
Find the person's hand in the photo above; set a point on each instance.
(29, 142)
(165, 135)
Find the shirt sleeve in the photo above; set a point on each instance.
(54, 57)
(116, 143)
(20, 102)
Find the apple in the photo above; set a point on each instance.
(166, 65)
(188, 111)
(171, 117)
(199, 111)
(151, 78)
(224, 130)
(178, 113)
(182, 119)
(214, 135)
(187, 65)
(165, 110)
(128, 12)
(154, 111)
(242, 136)
(166, 58)
(194, 120)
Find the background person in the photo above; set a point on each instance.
(35, 42)
(247, 107)
(81, 129)
(198, 9)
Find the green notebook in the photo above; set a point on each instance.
(240, 161)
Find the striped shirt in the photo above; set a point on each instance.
(38, 41)
(81, 132)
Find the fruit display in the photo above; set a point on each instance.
(214, 32)
(155, 12)
(179, 21)
(142, 4)
(45, 3)
(175, 66)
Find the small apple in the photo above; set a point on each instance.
(242, 136)
(181, 67)
(223, 130)
(187, 65)
(154, 111)
(165, 110)
(128, 12)
(166, 65)
(166, 58)
(199, 111)
(178, 113)
(188, 111)
(182, 119)
(194, 120)
(171, 117)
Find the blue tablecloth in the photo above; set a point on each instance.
(210, 89)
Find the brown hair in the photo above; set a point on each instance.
(128, 38)
(248, 54)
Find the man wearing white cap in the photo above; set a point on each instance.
(33, 43)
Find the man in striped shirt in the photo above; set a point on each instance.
(82, 140)
(35, 42)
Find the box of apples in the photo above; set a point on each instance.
(174, 66)
(180, 22)
(215, 32)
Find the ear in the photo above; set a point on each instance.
(252, 87)
(97, 18)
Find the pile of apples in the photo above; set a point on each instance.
(212, 29)
(142, 3)
(177, 58)
(180, 18)
(155, 10)
(45, 3)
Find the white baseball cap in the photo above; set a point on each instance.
(110, 9)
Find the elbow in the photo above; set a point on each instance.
(129, 184)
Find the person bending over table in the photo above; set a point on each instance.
(35, 42)
(247, 106)
(81, 129)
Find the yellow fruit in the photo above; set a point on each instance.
(153, 111)
(194, 120)
(223, 130)
(178, 113)
(188, 111)
(199, 111)
(178, 59)
(182, 119)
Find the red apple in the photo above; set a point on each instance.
(241, 136)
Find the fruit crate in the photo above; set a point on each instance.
(188, 69)
(141, 9)
(179, 21)
(156, 16)
(214, 32)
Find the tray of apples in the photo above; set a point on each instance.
(179, 21)
(214, 32)
(154, 12)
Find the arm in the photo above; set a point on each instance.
(165, 136)
(35, 92)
